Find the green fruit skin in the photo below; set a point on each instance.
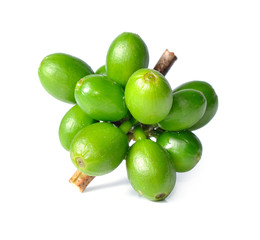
(212, 100)
(184, 147)
(102, 70)
(59, 74)
(101, 98)
(72, 122)
(150, 170)
(126, 54)
(148, 96)
(98, 149)
(188, 107)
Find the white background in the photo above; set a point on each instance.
(215, 41)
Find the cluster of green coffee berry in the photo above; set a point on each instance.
(123, 101)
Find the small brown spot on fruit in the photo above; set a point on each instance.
(160, 196)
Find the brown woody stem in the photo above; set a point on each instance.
(81, 180)
(165, 62)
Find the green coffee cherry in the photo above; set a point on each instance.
(188, 107)
(59, 74)
(102, 70)
(72, 122)
(148, 96)
(98, 148)
(126, 54)
(101, 98)
(184, 147)
(150, 170)
(211, 97)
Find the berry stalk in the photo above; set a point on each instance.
(139, 134)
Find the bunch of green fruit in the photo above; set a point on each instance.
(124, 100)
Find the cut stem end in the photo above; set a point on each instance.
(165, 62)
(80, 180)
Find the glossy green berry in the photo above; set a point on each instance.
(148, 96)
(102, 70)
(126, 54)
(212, 100)
(98, 148)
(184, 147)
(150, 170)
(59, 74)
(101, 98)
(72, 122)
(188, 107)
